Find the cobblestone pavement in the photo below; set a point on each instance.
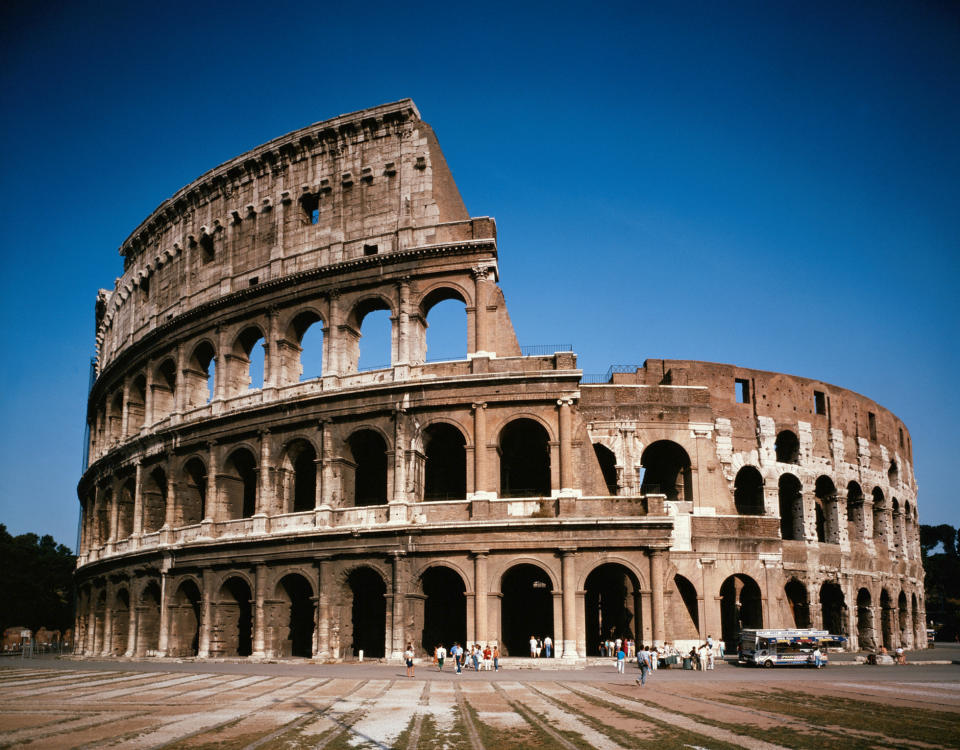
(76, 704)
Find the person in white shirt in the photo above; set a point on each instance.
(533, 647)
(548, 646)
(441, 655)
(408, 658)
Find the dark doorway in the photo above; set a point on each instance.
(368, 612)
(121, 622)
(791, 507)
(235, 615)
(787, 447)
(148, 630)
(526, 608)
(686, 611)
(296, 595)
(445, 609)
(865, 630)
(185, 621)
(798, 602)
(612, 604)
(740, 606)
(833, 608)
(240, 484)
(445, 468)
(369, 453)
(524, 461)
(886, 619)
(608, 466)
(748, 492)
(303, 461)
(667, 471)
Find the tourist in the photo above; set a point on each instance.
(643, 661)
(817, 658)
(496, 658)
(533, 647)
(457, 654)
(408, 657)
(487, 657)
(702, 656)
(475, 656)
(548, 646)
(621, 657)
(901, 655)
(439, 655)
(709, 655)
(694, 657)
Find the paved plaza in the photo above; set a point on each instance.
(50, 703)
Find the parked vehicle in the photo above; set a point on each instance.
(771, 648)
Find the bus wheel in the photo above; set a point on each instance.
(768, 664)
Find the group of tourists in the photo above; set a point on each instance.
(479, 657)
(703, 656)
(611, 646)
(541, 647)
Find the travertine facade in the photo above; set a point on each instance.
(487, 497)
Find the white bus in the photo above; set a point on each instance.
(771, 648)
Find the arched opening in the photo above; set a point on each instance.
(445, 321)
(445, 463)
(303, 352)
(125, 501)
(115, 418)
(373, 345)
(299, 480)
(136, 405)
(787, 447)
(367, 483)
(833, 608)
(856, 523)
(612, 605)
(239, 484)
(790, 493)
(200, 375)
(886, 619)
(154, 500)
(865, 631)
(295, 616)
(185, 621)
(233, 635)
(148, 620)
(748, 492)
(164, 389)
(192, 495)
(526, 608)
(903, 620)
(740, 606)
(893, 474)
(99, 622)
(919, 632)
(246, 363)
(685, 610)
(524, 460)
(368, 612)
(608, 466)
(879, 517)
(799, 605)
(895, 530)
(120, 621)
(667, 471)
(444, 608)
(102, 519)
(828, 517)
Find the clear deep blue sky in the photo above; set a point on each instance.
(768, 184)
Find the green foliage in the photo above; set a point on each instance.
(36, 586)
(942, 580)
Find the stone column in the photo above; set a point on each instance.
(568, 580)
(107, 649)
(816, 611)
(399, 464)
(322, 647)
(271, 354)
(710, 622)
(769, 598)
(114, 512)
(179, 387)
(220, 378)
(480, 275)
(656, 590)
(481, 484)
(398, 632)
(260, 584)
(480, 587)
(125, 411)
(206, 615)
(164, 635)
(264, 503)
(132, 624)
(403, 323)
(566, 449)
(148, 397)
(91, 640)
(138, 501)
(211, 511)
(170, 511)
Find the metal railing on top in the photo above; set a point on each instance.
(541, 350)
(598, 378)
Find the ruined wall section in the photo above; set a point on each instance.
(373, 182)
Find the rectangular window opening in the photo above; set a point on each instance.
(872, 422)
(369, 249)
(742, 390)
(819, 402)
(900, 429)
(254, 280)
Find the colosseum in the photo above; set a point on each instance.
(237, 503)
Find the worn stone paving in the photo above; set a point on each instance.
(123, 709)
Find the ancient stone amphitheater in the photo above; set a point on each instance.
(236, 503)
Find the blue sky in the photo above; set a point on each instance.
(768, 184)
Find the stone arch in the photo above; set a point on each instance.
(164, 388)
(893, 473)
(903, 621)
(833, 608)
(667, 470)
(610, 559)
(154, 499)
(444, 617)
(886, 620)
(523, 446)
(856, 520)
(740, 606)
(608, 466)
(102, 516)
(828, 516)
(297, 475)
(200, 375)
(866, 635)
(748, 492)
(790, 495)
(115, 418)
(364, 474)
(293, 616)
(120, 620)
(684, 608)
(148, 618)
(239, 483)
(452, 324)
(526, 606)
(880, 527)
(125, 508)
(136, 404)
(798, 602)
(612, 604)
(787, 447)
(440, 291)
(301, 356)
(185, 613)
(363, 623)
(246, 365)
(192, 491)
(233, 634)
(444, 462)
(353, 333)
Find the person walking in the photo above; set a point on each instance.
(441, 655)
(817, 658)
(548, 646)
(709, 655)
(643, 661)
(533, 647)
(457, 653)
(487, 657)
(408, 658)
(475, 656)
(621, 658)
(496, 658)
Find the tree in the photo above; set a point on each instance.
(36, 586)
(942, 580)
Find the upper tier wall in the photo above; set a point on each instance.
(371, 182)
